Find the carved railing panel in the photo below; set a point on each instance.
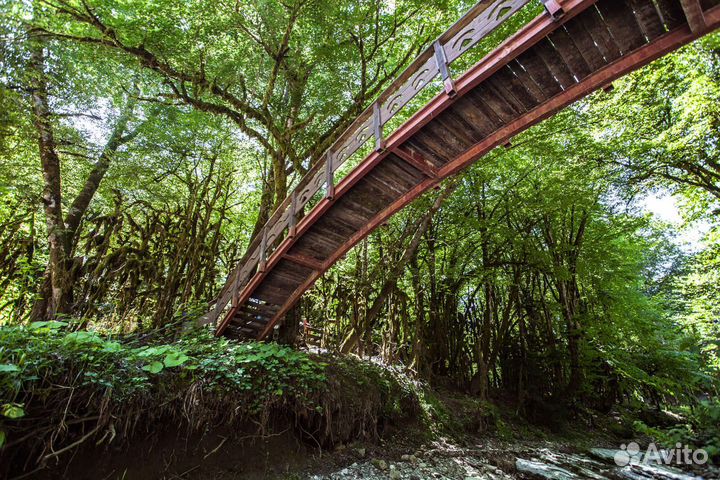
(361, 134)
(311, 188)
(408, 90)
(480, 27)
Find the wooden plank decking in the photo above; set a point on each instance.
(553, 61)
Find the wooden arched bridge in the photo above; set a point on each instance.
(572, 49)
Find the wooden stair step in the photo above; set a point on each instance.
(555, 64)
(570, 54)
(648, 18)
(622, 24)
(672, 13)
(583, 41)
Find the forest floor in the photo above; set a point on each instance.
(406, 451)
(203, 408)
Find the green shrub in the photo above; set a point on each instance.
(701, 430)
(59, 386)
(49, 376)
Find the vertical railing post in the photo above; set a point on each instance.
(263, 250)
(378, 126)
(292, 220)
(329, 182)
(442, 65)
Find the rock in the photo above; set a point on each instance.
(640, 466)
(394, 473)
(409, 458)
(642, 471)
(379, 464)
(606, 454)
(543, 470)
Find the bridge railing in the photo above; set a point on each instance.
(475, 25)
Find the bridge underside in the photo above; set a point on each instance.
(546, 66)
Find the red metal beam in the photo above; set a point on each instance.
(553, 8)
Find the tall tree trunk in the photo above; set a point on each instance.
(56, 284)
(56, 288)
(82, 201)
(565, 256)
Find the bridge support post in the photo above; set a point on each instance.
(263, 251)
(553, 8)
(442, 65)
(329, 181)
(292, 218)
(378, 127)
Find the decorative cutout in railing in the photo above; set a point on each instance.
(480, 21)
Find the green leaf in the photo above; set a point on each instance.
(2, 438)
(175, 359)
(84, 337)
(9, 367)
(152, 351)
(50, 325)
(13, 410)
(111, 347)
(155, 367)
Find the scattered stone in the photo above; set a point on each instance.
(543, 470)
(549, 462)
(394, 473)
(606, 454)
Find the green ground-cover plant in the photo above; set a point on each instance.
(60, 387)
(701, 429)
(50, 377)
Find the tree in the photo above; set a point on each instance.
(291, 76)
(62, 230)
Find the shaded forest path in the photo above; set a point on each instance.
(574, 48)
